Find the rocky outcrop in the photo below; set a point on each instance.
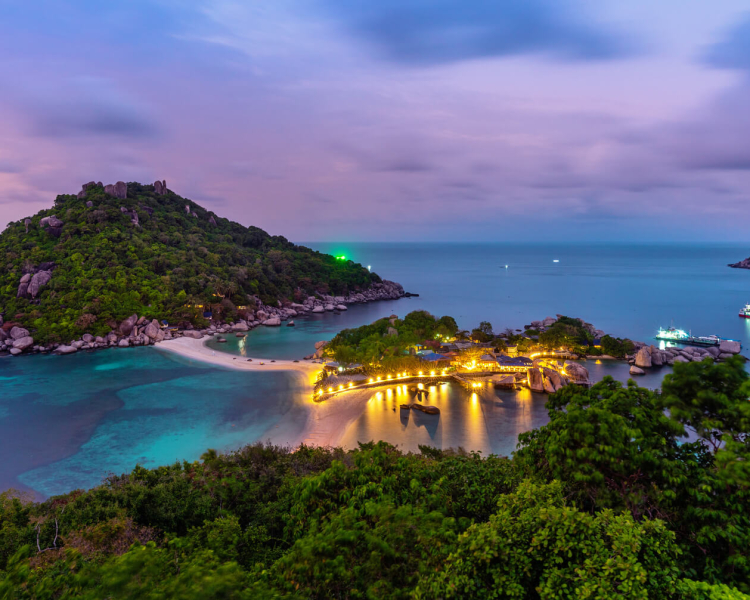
(391, 331)
(52, 225)
(66, 350)
(38, 281)
(636, 370)
(123, 343)
(318, 309)
(191, 333)
(729, 347)
(643, 357)
(576, 373)
(535, 380)
(743, 264)
(126, 327)
(160, 187)
(152, 329)
(273, 322)
(552, 380)
(27, 222)
(16, 333)
(211, 220)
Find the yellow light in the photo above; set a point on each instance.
(350, 384)
(330, 389)
(379, 378)
(388, 377)
(341, 387)
(370, 380)
(432, 373)
(420, 373)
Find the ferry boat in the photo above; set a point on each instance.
(678, 336)
(745, 312)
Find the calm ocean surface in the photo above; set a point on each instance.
(67, 422)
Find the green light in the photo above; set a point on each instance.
(341, 257)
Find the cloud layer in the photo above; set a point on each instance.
(390, 120)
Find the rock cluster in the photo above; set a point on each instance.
(549, 321)
(160, 187)
(133, 214)
(52, 225)
(743, 264)
(649, 356)
(85, 187)
(138, 331)
(550, 376)
(31, 283)
(118, 190)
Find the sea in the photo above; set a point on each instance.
(69, 422)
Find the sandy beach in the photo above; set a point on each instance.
(326, 422)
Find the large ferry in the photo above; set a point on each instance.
(678, 336)
(745, 312)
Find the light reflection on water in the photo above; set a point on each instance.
(488, 421)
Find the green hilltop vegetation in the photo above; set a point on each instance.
(145, 254)
(608, 500)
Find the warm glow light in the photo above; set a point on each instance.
(432, 373)
(388, 377)
(350, 384)
(420, 373)
(341, 387)
(330, 389)
(379, 378)
(370, 380)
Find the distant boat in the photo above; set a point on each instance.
(745, 312)
(555, 260)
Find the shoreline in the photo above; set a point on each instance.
(326, 422)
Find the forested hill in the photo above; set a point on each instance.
(99, 256)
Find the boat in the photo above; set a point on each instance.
(679, 336)
(745, 312)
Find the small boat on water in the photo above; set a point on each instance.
(679, 336)
(745, 312)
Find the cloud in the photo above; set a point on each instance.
(7, 166)
(405, 165)
(733, 52)
(89, 106)
(428, 32)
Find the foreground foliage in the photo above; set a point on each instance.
(608, 500)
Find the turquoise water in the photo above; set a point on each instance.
(67, 422)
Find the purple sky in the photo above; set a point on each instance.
(345, 120)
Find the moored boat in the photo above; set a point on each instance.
(745, 312)
(679, 336)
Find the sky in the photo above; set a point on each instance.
(395, 120)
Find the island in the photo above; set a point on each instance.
(122, 264)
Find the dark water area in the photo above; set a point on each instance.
(69, 421)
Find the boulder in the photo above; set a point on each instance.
(88, 338)
(729, 347)
(89, 204)
(241, 326)
(158, 187)
(637, 371)
(535, 380)
(27, 222)
(187, 209)
(643, 357)
(549, 321)
(318, 309)
(25, 278)
(111, 336)
(319, 345)
(657, 358)
(15, 351)
(192, 333)
(290, 324)
(211, 220)
(23, 343)
(273, 322)
(341, 307)
(38, 281)
(65, 349)
(124, 343)
(152, 329)
(16, 333)
(554, 379)
(576, 373)
(680, 359)
(329, 307)
(506, 382)
(121, 190)
(391, 331)
(724, 355)
(23, 289)
(126, 327)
